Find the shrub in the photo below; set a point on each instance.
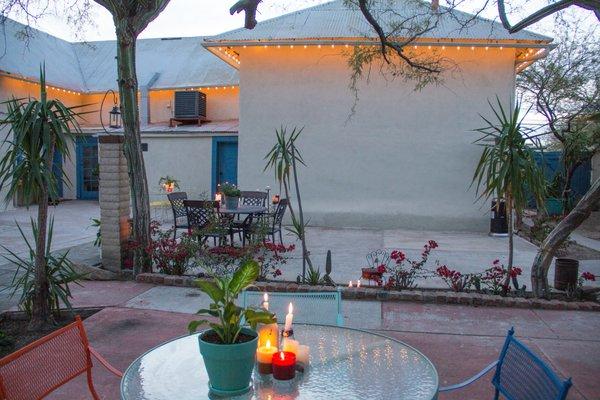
(401, 272)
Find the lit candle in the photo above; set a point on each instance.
(264, 358)
(358, 283)
(276, 199)
(302, 357)
(218, 197)
(266, 301)
(289, 318)
(284, 366)
(350, 284)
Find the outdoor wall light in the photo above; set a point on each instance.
(114, 115)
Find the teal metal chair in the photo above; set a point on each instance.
(323, 308)
(520, 375)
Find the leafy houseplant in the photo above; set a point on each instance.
(232, 195)
(228, 348)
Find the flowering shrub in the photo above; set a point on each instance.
(577, 292)
(588, 276)
(454, 279)
(401, 272)
(494, 278)
(170, 256)
(224, 260)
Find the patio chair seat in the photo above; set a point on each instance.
(41, 367)
(322, 308)
(520, 375)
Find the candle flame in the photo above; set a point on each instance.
(268, 344)
(290, 308)
(266, 297)
(350, 284)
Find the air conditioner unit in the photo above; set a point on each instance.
(190, 105)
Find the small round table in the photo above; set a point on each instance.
(344, 364)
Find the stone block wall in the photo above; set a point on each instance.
(114, 201)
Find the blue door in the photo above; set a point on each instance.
(224, 162)
(87, 168)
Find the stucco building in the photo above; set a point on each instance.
(404, 158)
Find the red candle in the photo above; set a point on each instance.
(284, 365)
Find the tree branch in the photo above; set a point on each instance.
(249, 7)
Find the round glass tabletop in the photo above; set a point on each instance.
(344, 364)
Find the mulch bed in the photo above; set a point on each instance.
(14, 333)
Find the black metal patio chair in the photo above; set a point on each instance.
(253, 198)
(205, 222)
(179, 214)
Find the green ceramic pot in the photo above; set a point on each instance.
(229, 366)
(231, 203)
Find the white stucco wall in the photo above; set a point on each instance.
(405, 159)
(185, 157)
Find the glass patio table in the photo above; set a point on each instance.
(344, 364)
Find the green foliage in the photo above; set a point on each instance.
(314, 277)
(230, 190)
(59, 272)
(283, 154)
(507, 167)
(97, 224)
(328, 263)
(168, 181)
(223, 292)
(38, 129)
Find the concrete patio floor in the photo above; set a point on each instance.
(459, 340)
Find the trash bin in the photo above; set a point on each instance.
(498, 221)
(566, 272)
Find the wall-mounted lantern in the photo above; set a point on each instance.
(114, 115)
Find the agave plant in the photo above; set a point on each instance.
(507, 168)
(37, 130)
(59, 273)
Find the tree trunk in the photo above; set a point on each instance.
(41, 315)
(305, 254)
(543, 259)
(128, 91)
(509, 218)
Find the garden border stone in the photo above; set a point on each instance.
(414, 295)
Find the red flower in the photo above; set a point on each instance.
(381, 269)
(432, 244)
(496, 262)
(588, 276)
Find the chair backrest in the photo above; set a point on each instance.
(37, 369)
(522, 375)
(323, 308)
(253, 198)
(176, 199)
(279, 212)
(377, 258)
(200, 213)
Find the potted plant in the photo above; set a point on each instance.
(232, 195)
(168, 183)
(228, 348)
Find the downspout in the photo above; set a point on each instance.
(145, 100)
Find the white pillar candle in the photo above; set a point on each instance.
(358, 283)
(303, 354)
(291, 345)
(289, 318)
(266, 301)
(350, 284)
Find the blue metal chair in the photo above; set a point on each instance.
(324, 308)
(520, 375)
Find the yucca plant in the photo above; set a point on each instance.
(59, 273)
(507, 168)
(38, 128)
(284, 158)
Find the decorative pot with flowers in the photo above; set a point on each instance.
(232, 195)
(168, 183)
(228, 348)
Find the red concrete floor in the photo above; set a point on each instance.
(459, 340)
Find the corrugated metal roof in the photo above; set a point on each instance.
(91, 67)
(336, 20)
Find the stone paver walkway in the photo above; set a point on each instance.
(459, 340)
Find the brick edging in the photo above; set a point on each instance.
(418, 295)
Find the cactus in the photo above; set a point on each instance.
(328, 263)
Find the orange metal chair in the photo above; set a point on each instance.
(39, 368)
